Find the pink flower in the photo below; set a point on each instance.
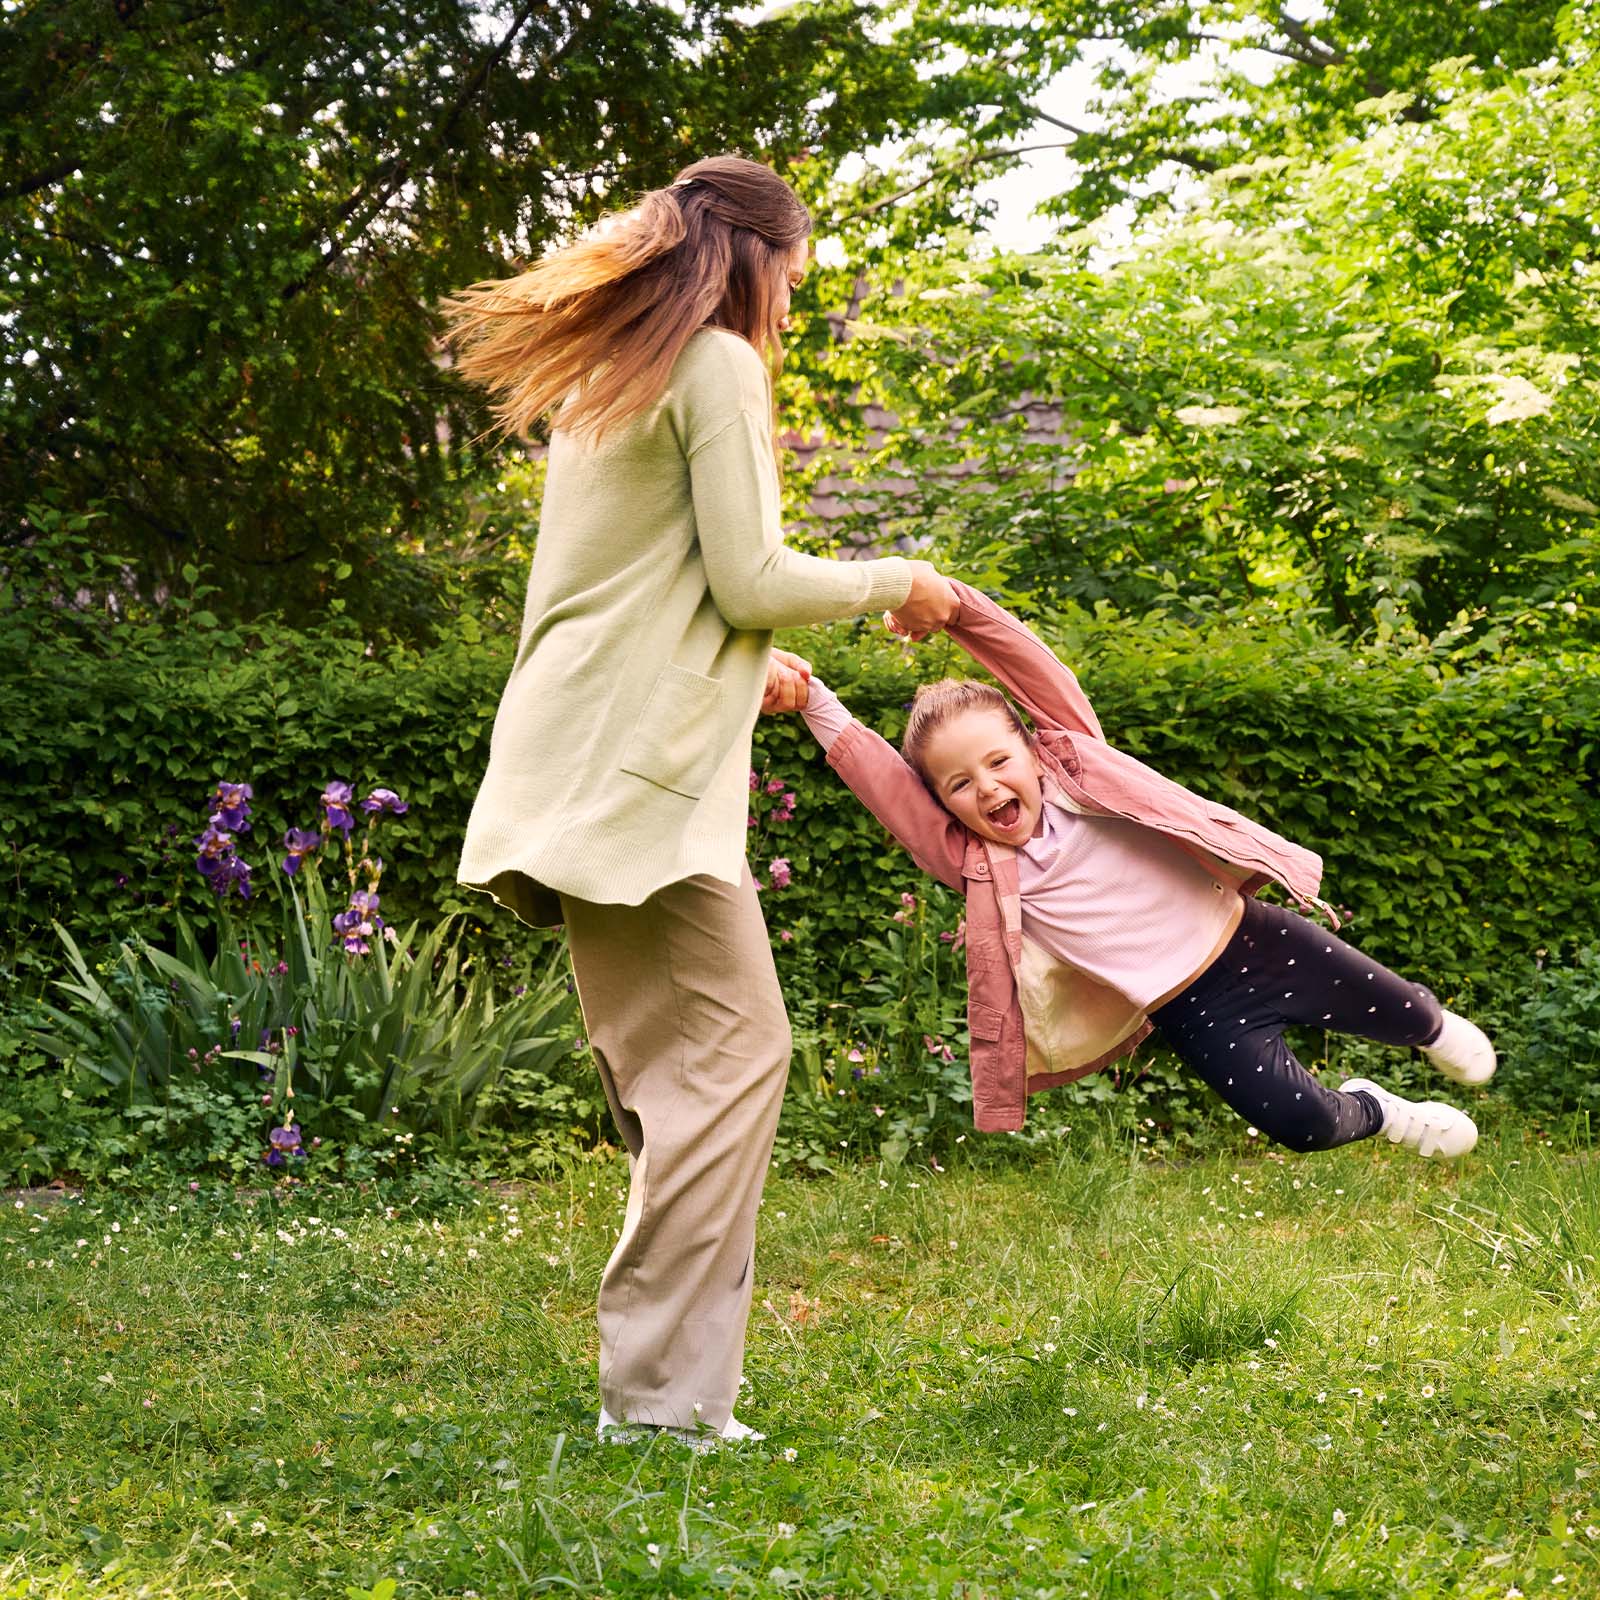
(786, 935)
(780, 873)
(750, 822)
(958, 938)
(775, 786)
(909, 901)
(755, 780)
(877, 1111)
(855, 1055)
(932, 1044)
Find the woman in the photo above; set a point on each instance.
(616, 795)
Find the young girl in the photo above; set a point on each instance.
(1102, 899)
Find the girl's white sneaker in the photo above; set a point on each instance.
(733, 1431)
(1434, 1130)
(1462, 1051)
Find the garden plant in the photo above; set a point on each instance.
(1286, 441)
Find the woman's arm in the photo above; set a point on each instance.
(756, 581)
(889, 789)
(723, 405)
(1023, 662)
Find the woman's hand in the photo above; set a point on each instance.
(931, 605)
(787, 677)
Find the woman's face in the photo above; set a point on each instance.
(794, 271)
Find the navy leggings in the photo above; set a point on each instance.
(1279, 969)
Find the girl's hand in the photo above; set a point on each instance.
(787, 678)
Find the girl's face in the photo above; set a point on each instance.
(794, 271)
(986, 775)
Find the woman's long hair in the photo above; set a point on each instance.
(595, 327)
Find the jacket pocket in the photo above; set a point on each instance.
(677, 741)
(984, 1022)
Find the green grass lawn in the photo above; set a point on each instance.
(1353, 1374)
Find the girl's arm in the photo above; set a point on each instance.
(1023, 662)
(886, 786)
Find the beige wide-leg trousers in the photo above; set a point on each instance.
(684, 1015)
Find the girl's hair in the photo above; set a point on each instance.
(595, 327)
(935, 704)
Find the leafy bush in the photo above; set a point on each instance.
(347, 1039)
(53, 1119)
(1455, 801)
(1549, 1039)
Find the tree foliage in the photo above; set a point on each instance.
(1364, 386)
(1176, 87)
(222, 231)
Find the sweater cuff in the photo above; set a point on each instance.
(889, 586)
(824, 713)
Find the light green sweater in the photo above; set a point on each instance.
(620, 757)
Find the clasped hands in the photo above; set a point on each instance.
(931, 605)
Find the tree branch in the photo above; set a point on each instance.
(393, 173)
(976, 158)
(1318, 52)
(41, 180)
(1185, 158)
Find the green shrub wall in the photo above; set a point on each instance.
(1458, 813)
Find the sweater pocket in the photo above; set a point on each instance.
(677, 741)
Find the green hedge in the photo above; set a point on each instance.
(1458, 812)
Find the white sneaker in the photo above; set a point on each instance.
(1462, 1051)
(733, 1431)
(1436, 1131)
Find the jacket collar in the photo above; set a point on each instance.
(983, 856)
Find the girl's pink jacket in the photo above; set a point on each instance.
(1088, 1025)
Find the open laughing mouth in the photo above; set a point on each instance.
(1005, 815)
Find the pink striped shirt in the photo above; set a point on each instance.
(1114, 899)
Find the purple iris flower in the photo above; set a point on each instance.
(272, 1158)
(336, 807)
(218, 864)
(300, 842)
(215, 845)
(385, 800)
(356, 924)
(286, 1138)
(233, 807)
